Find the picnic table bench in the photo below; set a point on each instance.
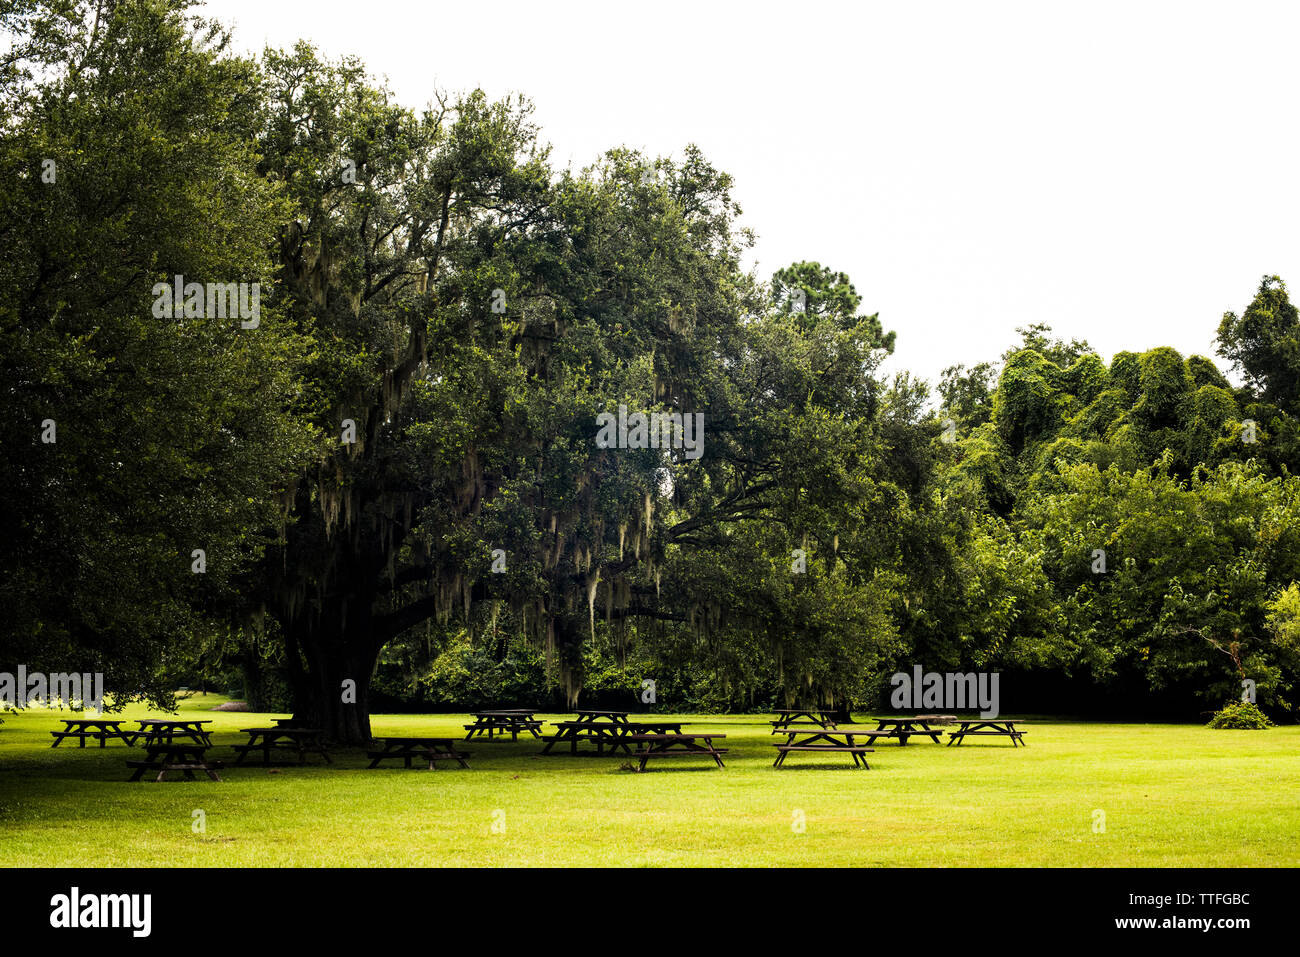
(158, 730)
(613, 732)
(510, 722)
(426, 749)
(589, 715)
(790, 716)
(904, 728)
(94, 728)
(164, 756)
(835, 740)
(675, 745)
(284, 737)
(997, 726)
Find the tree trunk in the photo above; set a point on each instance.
(332, 683)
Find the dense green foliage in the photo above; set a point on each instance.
(130, 442)
(396, 476)
(1240, 716)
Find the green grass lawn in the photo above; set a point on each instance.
(1173, 795)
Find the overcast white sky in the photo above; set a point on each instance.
(1125, 172)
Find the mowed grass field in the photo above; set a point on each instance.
(1172, 795)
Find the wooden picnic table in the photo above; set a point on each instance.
(613, 732)
(834, 740)
(904, 728)
(164, 756)
(155, 730)
(790, 716)
(97, 729)
(503, 722)
(675, 745)
(997, 726)
(284, 737)
(426, 749)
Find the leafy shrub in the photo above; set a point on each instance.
(1240, 715)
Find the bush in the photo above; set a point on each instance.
(1240, 715)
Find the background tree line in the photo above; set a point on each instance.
(444, 315)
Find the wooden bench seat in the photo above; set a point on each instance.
(83, 736)
(1001, 734)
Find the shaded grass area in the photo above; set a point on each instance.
(1172, 795)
